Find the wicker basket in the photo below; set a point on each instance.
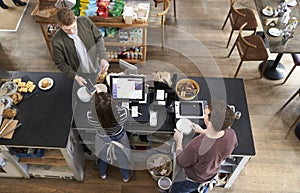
(182, 95)
(163, 166)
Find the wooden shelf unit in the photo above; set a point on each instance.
(44, 22)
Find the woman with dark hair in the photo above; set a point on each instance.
(111, 140)
(16, 2)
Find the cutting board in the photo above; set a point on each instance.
(12, 125)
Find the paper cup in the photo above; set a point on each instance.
(101, 87)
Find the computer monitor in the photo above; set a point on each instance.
(128, 87)
(127, 67)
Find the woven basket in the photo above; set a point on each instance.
(166, 164)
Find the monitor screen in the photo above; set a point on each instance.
(127, 87)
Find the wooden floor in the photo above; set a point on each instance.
(195, 46)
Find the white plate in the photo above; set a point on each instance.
(275, 31)
(291, 3)
(83, 94)
(267, 12)
(51, 81)
(184, 125)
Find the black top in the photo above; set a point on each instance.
(46, 115)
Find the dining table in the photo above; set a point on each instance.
(270, 21)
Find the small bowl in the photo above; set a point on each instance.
(187, 89)
(7, 101)
(11, 88)
(164, 183)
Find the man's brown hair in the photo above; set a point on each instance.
(221, 115)
(65, 16)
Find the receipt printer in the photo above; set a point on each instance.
(190, 109)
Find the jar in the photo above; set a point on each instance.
(293, 22)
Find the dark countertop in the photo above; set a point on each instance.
(46, 115)
(231, 91)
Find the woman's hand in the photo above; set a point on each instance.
(198, 129)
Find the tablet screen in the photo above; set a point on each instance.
(191, 109)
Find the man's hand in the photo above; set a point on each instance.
(104, 66)
(198, 129)
(81, 81)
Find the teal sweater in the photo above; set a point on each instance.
(64, 51)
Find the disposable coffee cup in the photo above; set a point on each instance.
(164, 184)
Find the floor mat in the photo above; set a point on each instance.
(11, 17)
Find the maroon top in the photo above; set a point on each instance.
(202, 157)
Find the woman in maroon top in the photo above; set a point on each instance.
(202, 157)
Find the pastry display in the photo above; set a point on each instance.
(24, 87)
(17, 98)
(9, 113)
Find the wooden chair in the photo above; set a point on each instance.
(251, 48)
(298, 119)
(162, 14)
(162, 1)
(238, 17)
(296, 59)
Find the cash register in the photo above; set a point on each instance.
(129, 91)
